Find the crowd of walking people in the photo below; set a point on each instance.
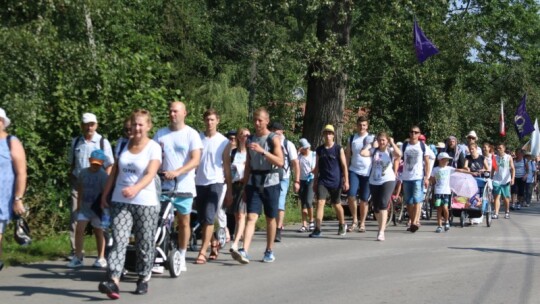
(232, 179)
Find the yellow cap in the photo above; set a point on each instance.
(329, 128)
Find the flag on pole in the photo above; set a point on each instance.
(502, 129)
(535, 140)
(522, 121)
(424, 48)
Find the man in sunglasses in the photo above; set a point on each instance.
(415, 176)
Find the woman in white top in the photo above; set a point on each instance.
(237, 159)
(382, 179)
(135, 205)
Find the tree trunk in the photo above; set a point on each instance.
(326, 89)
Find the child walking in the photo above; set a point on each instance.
(440, 176)
(91, 183)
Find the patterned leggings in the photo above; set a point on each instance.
(143, 220)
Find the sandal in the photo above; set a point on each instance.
(352, 227)
(302, 229)
(362, 229)
(214, 252)
(201, 259)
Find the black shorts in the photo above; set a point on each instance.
(207, 199)
(323, 193)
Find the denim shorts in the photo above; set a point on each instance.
(413, 192)
(358, 186)
(208, 197)
(284, 188)
(269, 199)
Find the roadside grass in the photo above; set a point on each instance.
(51, 247)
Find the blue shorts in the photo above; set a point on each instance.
(358, 186)
(183, 204)
(269, 199)
(413, 192)
(442, 200)
(284, 187)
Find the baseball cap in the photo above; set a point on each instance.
(88, 118)
(443, 155)
(98, 157)
(440, 145)
(3, 115)
(230, 133)
(304, 143)
(329, 128)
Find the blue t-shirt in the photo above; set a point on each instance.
(92, 185)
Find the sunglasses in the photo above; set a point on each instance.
(414, 132)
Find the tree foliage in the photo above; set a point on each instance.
(60, 58)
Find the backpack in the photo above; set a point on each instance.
(8, 140)
(270, 143)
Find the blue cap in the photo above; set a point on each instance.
(98, 157)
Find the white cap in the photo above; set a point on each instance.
(443, 155)
(472, 134)
(88, 118)
(3, 115)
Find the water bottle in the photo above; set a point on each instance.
(106, 219)
(310, 177)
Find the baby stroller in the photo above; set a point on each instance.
(167, 255)
(467, 203)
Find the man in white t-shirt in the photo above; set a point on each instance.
(291, 161)
(210, 182)
(181, 146)
(415, 176)
(359, 170)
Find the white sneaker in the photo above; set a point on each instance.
(75, 262)
(100, 263)
(183, 267)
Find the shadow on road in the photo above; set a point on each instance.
(496, 250)
(54, 271)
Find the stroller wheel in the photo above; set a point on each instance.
(174, 260)
(221, 236)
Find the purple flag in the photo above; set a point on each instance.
(424, 48)
(522, 121)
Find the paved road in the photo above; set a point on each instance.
(465, 265)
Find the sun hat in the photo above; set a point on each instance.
(3, 115)
(443, 155)
(304, 143)
(440, 145)
(472, 134)
(88, 118)
(329, 128)
(98, 157)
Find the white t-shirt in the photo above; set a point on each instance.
(431, 156)
(307, 164)
(131, 168)
(442, 179)
(413, 165)
(293, 155)
(210, 170)
(177, 146)
(238, 165)
(382, 169)
(360, 165)
(502, 175)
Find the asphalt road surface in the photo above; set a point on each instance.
(464, 265)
